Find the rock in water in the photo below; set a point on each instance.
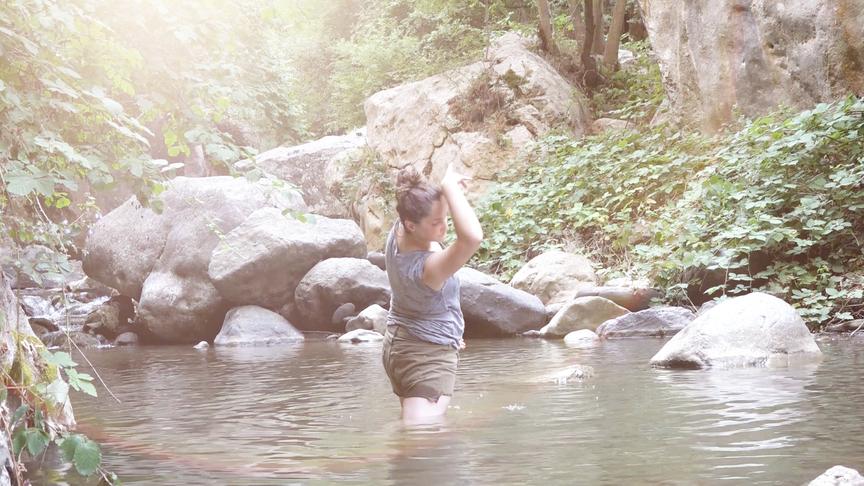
(839, 476)
(361, 336)
(657, 322)
(754, 330)
(251, 324)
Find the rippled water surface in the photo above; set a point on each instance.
(322, 412)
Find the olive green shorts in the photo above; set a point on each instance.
(418, 368)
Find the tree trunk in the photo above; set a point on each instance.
(598, 27)
(613, 40)
(547, 42)
(590, 76)
(578, 22)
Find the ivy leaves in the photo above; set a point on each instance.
(656, 203)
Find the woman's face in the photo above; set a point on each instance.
(434, 226)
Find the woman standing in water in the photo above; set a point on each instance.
(425, 323)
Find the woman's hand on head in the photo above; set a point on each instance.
(454, 177)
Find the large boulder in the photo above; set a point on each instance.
(178, 302)
(492, 308)
(253, 325)
(656, 322)
(715, 56)
(315, 167)
(262, 260)
(337, 281)
(753, 330)
(124, 245)
(446, 118)
(582, 313)
(554, 276)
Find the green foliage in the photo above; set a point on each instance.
(633, 94)
(97, 95)
(657, 202)
(82, 452)
(43, 395)
(78, 381)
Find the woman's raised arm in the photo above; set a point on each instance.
(441, 265)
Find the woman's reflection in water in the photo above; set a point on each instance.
(429, 453)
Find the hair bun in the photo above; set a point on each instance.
(407, 179)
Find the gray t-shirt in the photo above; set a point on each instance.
(429, 315)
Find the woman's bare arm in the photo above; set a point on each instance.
(441, 265)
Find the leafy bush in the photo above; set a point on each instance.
(656, 202)
(36, 381)
(632, 94)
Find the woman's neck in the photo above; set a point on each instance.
(408, 242)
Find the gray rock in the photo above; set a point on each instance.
(253, 325)
(38, 304)
(555, 276)
(755, 55)
(41, 325)
(64, 339)
(848, 326)
(109, 318)
(630, 298)
(6, 463)
(179, 303)
(124, 245)
(839, 476)
(126, 339)
(583, 338)
(181, 309)
(343, 313)
(15, 323)
(655, 322)
(574, 373)
(337, 281)
(416, 124)
(582, 313)
(377, 259)
(602, 125)
(89, 285)
(262, 260)
(706, 307)
(361, 336)
(753, 330)
(373, 318)
(309, 167)
(553, 309)
(492, 308)
(202, 345)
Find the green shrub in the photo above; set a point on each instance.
(657, 201)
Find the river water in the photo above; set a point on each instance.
(322, 412)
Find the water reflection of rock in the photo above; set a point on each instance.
(738, 422)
